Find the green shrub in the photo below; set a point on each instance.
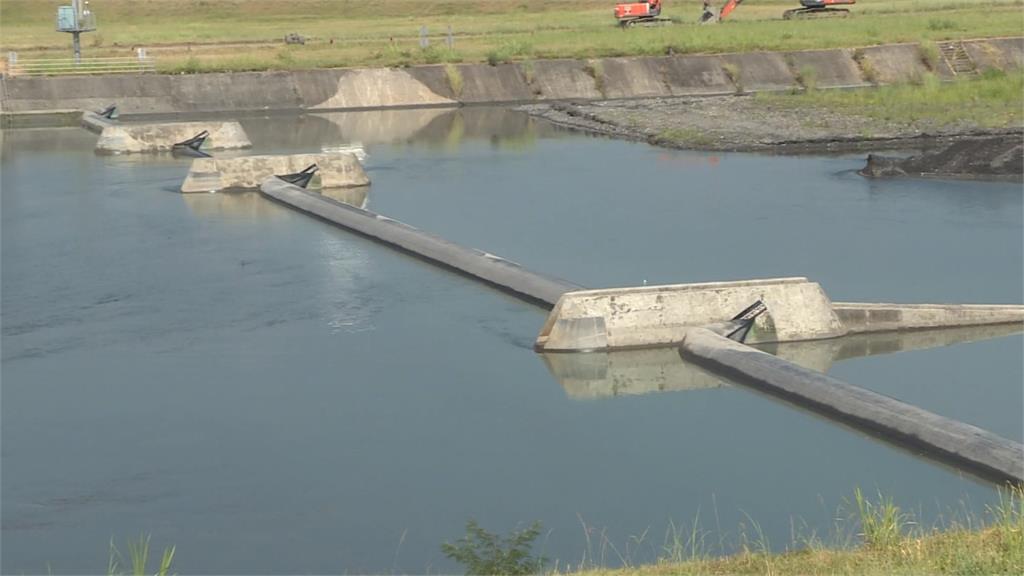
(484, 553)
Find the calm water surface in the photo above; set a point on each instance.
(271, 394)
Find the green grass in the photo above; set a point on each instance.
(248, 34)
(993, 100)
(138, 554)
(890, 542)
(878, 539)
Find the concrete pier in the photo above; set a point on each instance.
(116, 138)
(967, 446)
(798, 309)
(498, 272)
(648, 316)
(337, 170)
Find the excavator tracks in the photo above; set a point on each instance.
(807, 13)
(646, 22)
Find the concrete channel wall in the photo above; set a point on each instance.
(630, 77)
(968, 446)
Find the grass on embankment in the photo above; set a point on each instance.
(891, 544)
(993, 100)
(385, 32)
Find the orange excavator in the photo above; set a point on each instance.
(645, 13)
(808, 8)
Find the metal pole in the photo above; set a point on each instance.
(76, 41)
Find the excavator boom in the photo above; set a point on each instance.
(728, 8)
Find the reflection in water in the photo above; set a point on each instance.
(252, 205)
(625, 372)
(586, 375)
(356, 196)
(247, 205)
(444, 127)
(821, 354)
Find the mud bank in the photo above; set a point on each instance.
(994, 158)
(748, 124)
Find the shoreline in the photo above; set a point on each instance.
(605, 118)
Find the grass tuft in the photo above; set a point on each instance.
(454, 79)
(732, 71)
(930, 55)
(138, 554)
(595, 69)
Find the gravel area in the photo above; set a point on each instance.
(746, 123)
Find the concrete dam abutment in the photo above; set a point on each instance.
(335, 170)
(130, 138)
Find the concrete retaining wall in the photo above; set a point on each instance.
(339, 170)
(118, 138)
(432, 86)
(498, 272)
(962, 444)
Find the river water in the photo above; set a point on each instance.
(271, 394)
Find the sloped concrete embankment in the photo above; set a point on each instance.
(450, 85)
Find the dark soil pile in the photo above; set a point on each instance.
(994, 158)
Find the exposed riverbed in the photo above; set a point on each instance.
(750, 123)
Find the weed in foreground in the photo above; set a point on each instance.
(483, 552)
(138, 554)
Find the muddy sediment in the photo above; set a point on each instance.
(747, 123)
(992, 158)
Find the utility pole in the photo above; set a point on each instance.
(76, 35)
(75, 19)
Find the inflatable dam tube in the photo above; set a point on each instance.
(135, 138)
(970, 447)
(336, 170)
(498, 272)
(93, 122)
